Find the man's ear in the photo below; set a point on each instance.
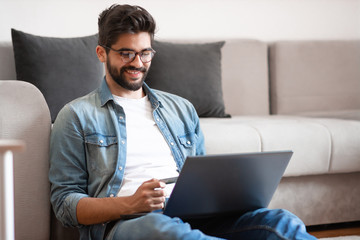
(101, 53)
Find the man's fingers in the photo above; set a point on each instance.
(154, 183)
(153, 193)
(159, 200)
(152, 188)
(158, 193)
(154, 203)
(157, 203)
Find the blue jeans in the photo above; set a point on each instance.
(259, 224)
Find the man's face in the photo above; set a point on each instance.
(129, 76)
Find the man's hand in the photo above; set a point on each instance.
(148, 197)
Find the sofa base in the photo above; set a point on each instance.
(320, 199)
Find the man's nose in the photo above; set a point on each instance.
(137, 62)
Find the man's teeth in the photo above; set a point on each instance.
(133, 72)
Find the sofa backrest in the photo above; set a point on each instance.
(311, 76)
(244, 74)
(305, 76)
(24, 115)
(245, 77)
(7, 61)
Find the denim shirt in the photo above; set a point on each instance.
(88, 148)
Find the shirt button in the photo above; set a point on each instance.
(111, 195)
(101, 141)
(172, 143)
(158, 119)
(121, 117)
(120, 168)
(123, 142)
(188, 142)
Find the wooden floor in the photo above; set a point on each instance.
(335, 230)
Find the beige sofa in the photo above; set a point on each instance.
(303, 96)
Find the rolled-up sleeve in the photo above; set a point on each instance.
(68, 173)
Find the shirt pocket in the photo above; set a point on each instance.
(188, 144)
(101, 152)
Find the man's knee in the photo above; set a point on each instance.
(273, 217)
(285, 215)
(279, 223)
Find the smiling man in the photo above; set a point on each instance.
(110, 148)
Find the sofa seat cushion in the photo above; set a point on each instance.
(319, 145)
(345, 140)
(227, 135)
(343, 114)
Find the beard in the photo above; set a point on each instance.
(120, 78)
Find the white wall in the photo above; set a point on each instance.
(260, 19)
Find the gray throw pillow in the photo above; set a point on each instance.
(62, 68)
(192, 71)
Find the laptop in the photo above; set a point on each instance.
(214, 185)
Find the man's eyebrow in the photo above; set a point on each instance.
(125, 49)
(129, 49)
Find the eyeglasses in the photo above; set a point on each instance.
(129, 55)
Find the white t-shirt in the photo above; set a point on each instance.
(148, 154)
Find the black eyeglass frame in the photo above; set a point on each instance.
(136, 53)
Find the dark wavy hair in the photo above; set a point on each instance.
(119, 19)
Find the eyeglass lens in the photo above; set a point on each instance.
(129, 56)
